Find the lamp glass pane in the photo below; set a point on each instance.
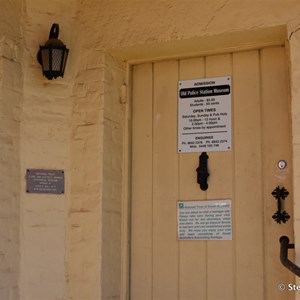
(66, 52)
(45, 59)
(57, 56)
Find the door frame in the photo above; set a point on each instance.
(212, 45)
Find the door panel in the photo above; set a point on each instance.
(189, 189)
(165, 181)
(276, 142)
(220, 257)
(248, 266)
(142, 235)
(248, 185)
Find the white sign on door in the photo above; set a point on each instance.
(204, 115)
(204, 220)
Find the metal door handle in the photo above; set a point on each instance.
(202, 171)
(280, 194)
(284, 246)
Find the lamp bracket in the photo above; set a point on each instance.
(54, 31)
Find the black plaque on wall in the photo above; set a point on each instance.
(41, 181)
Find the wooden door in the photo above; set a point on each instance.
(248, 266)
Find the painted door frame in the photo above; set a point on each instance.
(241, 41)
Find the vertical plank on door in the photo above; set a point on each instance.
(276, 142)
(165, 181)
(220, 254)
(141, 211)
(248, 176)
(192, 265)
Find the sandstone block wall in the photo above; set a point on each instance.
(44, 144)
(10, 102)
(11, 91)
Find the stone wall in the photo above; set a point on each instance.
(10, 101)
(96, 172)
(113, 173)
(10, 107)
(86, 179)
(45, 144)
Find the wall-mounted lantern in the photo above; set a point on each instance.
(53, 55)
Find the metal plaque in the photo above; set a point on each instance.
(204, 220)
(40, 181)
(204, 115)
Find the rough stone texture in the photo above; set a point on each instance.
(113, 147)
(45, 144)
(128, 23)
(10, 102)
(86, 180)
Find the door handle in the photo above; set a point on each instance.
(280, 215)
(202, 171)
(284, 246)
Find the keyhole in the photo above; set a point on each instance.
(282, 164)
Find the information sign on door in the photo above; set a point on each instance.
(204, 220)
(204, 115)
